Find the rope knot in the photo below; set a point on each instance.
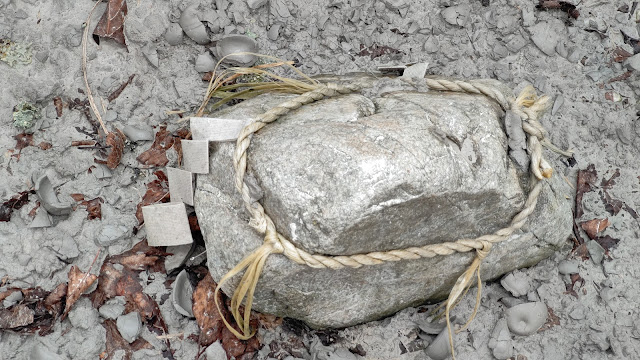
(484, 251)
(272, 239)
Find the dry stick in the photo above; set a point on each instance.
(85, 35)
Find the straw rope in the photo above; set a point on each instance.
(527, 105)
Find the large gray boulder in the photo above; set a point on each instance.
(386, 169)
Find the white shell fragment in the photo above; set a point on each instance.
(129, 326)
(182, 294)
(167, 224)
(236, 44)
(205, 63)
(215, 129)
(192, 26)
(195, 156)
(526, 319)
(48, 197)
(180, 185)
(440, 348)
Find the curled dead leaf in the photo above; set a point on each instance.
(79, 282)
(115, 140)
(111, 24)
(18, 316)
(206, 312)
(157, 192)
(157, 154)
(57, 102)
(594, 227)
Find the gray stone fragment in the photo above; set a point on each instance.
(112, 308)
(109, 234)
(440, 348)
(350, 178)
(567, 267)
(633, 63)
(12, 299)
(129, 326)
(557, 104)
(457, 15)
(254, 4)
(431, 45)
(273, 32)
(516, 43)
(517, 283)
(596, 252)
(174, 34)
(546, 35)
(133, 133)
(42, 352)
(500, 342)
(180, 254)
(517, 140)
(215, 351)
(205, 62)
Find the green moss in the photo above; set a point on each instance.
(25, 115)
(13, 53)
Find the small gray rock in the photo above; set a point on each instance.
(41, 352)
(273, 32)
(109, 234)
(129, 326)
(136, 134)
(111, 310)
(500, 342)
(546, 35)
(557, 104)
(517, 283)
(516, 43)
(440, 348)
(192, 26)
(432, 44)
(596, 252)
(457, 15)
(633, 63)
(180, 253)
(205, 63)
(526, 319)
(12, 299)
(254, 4)
(215, 351)
(174, 34)
(567, 267)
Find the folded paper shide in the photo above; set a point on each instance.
(363, 195)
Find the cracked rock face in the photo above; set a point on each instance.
(389, 169)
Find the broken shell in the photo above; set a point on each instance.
(526, 319)
(192, 26)
(129, 326)
(440, 349)
(236, 44)
(182, 294)
(48, 197)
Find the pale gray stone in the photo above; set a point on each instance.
(546, 35)
(525, 319)
(129, 326)
(356, 174)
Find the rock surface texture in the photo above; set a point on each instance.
(385, 169)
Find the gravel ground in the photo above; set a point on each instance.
(586, 64)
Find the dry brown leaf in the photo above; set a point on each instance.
(17, 316)
(116, 342)
(57, 102)
(53, 301)
(108, 281)
(138, 261)
(157, 192)
(79, 282)
(157, 154)
(115, 140)
(15, 203)
(111, 24)
(594, 227)
(45, 145)
(586, 178)
(206, 312)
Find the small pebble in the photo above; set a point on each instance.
(526, 319)
(129, 326)
(133, 133)
(174, 34)
(439, 349)
(596, 252)
(12, 299)
(205, 63)
(273, 32)
(567, 267)
(500, 342)
(516, 283)
(215, 351)
(254, 4)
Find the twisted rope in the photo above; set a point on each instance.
(527, 105)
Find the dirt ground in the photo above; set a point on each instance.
(583, 57)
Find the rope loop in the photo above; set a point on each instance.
(527, 105)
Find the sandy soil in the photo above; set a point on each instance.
(586, 65)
